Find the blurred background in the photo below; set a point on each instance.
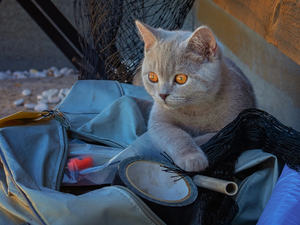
(23, 44)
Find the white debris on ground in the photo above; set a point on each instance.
(26, 92)
(53, 71)
(19, 102)
(51, 96)
(30, 105)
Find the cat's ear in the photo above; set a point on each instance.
(203, 42)
(147, 34)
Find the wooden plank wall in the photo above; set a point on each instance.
(278, 21)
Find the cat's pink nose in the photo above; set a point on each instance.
(164, 96)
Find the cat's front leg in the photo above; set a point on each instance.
(181, 146)
(202, 139)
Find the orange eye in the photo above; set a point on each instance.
(153, 77)
(181, 78)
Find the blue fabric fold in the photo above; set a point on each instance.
(121, 122)
(284, 204)
(32, 157)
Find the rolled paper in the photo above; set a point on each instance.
(222, 186)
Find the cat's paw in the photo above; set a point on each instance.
(193, 162)
(202, 139)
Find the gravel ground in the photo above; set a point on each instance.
(11, 90)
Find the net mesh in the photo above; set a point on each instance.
(108, 36)
(252, 129)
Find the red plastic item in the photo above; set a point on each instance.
(80, 163)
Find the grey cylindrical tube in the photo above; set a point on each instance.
(222, 186)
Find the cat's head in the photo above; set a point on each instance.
(180, 68)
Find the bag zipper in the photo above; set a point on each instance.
(63, 163)
(59, 116)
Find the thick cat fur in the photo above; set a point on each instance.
(215, 92)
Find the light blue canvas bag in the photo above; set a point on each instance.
(33, 160)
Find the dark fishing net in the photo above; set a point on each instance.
(252, 129)
(255, 129)
(109, 39)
